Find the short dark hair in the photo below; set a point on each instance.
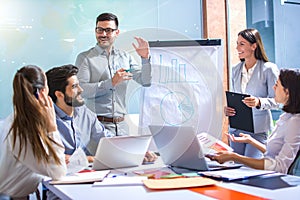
(58, 79)
(108, 17)
(290, 80)
(252, 35)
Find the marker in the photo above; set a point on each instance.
(86, 170)
(128, 70)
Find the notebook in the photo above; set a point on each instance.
(243, 118)
(121, 152)
(180, 149)
(84, 177)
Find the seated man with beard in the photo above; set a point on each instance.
(78, 125)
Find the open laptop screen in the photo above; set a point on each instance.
(119, 152)
(179, 147)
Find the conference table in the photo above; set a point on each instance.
(221, 190)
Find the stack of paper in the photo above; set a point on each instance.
(211, 144)
(85, 177)
(121, 181)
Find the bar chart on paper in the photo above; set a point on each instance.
(186, 81)
(174, 72)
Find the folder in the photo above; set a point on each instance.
(175, 183)
(243, 118)
(235, 174)
(268, 181)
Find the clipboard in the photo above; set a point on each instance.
(243, 118)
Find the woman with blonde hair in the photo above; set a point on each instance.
(31, 147)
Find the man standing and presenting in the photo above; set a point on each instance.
(104, 72)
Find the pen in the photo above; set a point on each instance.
(116, 175)
(128, 70)
(148, 163)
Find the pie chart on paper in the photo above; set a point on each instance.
(176, 108)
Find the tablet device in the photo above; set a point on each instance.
(243, 118)
(121, 152)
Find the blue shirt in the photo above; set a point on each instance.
(82, 130)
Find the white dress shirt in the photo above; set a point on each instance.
(19, 178)
(283, 143)
(246, 75)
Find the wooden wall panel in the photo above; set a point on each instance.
(224, 19)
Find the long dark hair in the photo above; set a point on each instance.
(290, 80)
(253, 36)
(30, 120)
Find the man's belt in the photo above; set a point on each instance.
(111, 120)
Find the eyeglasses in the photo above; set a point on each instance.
(107, 30)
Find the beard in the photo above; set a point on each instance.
(73, 102)
(105, 42)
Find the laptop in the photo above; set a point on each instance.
(121, 152)
(180, 149)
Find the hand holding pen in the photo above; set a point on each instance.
(121, 75)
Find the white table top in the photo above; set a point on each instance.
(88, 191)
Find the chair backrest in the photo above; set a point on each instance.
(4, 197)
(294, 169)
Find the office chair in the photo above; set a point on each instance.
(294, 169)
(4, 197)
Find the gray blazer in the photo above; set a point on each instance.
(260, 85)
